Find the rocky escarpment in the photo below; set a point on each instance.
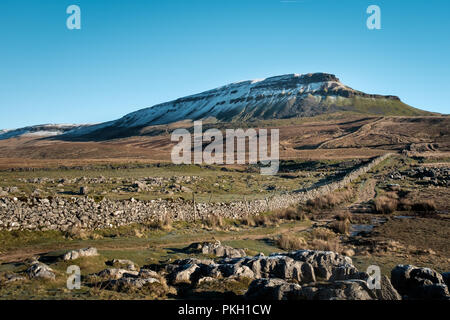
(279, 97)
(84, 212)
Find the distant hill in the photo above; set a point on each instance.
(43, 130)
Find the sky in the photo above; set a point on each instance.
(134, 54)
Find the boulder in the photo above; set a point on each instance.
(75, 254)
(194, 261)
(133, 282)
(419, 283)
(338, 290)
(446, 278)
(123, 264)
(323, 262)
(13, 277)
(216, 249)
(115, 273)
(344, 272)
(387, 291)
(147, 273)
(40, 270)
(272, 289)
(236, 271)
(184, 274)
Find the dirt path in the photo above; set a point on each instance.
(361, 131)
(366, 193)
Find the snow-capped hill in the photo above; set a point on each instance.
(43, 130)
(285, 96)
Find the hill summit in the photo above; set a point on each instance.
(279, 97)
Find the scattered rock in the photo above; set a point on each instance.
(13, 277)
(75, 254)
(123, 264)
(40, 270)
(115, 273)
(216, 249)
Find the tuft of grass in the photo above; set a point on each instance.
(385, 205)
(323, 234)
(292, 213)
(164, 224)
(342, 227)
(330, 200)
(424, 207)
(248, 221)
(291, 242)
(343, 216)
(214, 221)
(326, 245)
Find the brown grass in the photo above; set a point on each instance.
(330, 200)
(248, 221)
(262, 220)
(343, 216)
(385, 205)
(342, 227)
(214, 221)
(323, 245)
(265, 220)
(291, 242)
(322, 234)
(164, 224)
(292, 213)
(425, 207)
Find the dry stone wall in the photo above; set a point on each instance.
(85, 212)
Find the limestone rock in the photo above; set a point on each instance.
(40, 270)
(272, 289)
(123, 264)
(75, 254)
(217, 249)
(419, 283)
(338, 290)
(184, 274)
(115, 273)
(323, 262)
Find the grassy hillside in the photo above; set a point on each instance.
(386, 107)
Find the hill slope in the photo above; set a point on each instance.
(279, 97)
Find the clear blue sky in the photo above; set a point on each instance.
(133, 54)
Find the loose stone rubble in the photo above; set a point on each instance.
(436, 176)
